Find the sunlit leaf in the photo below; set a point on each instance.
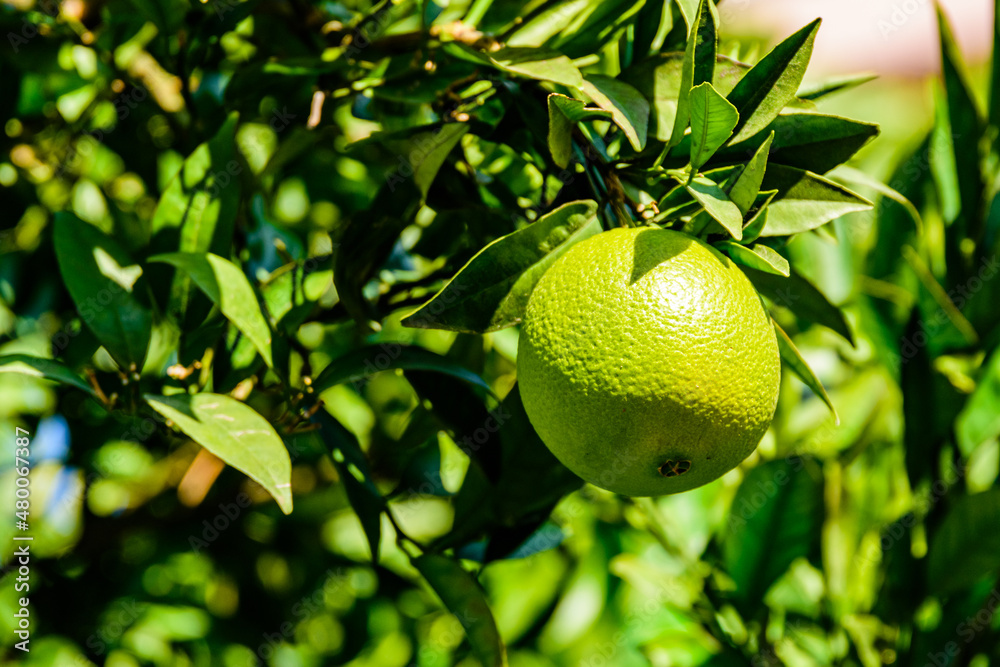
(50, 369)
(628, 108)
(717, 204)
(793, 358)
(712, 122)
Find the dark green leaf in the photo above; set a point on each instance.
(540, 64)
(463, 596)
(564, 114)
(104, 283)
(718, 205)
(628, 108)
(235, 433)
(50, 369)
(746, 180)
(805, 201)
(492, 290)
(356, 476)
(966, 547)
(712, 122)
(772, 83)
(835, 85)
(798, 295)
(361, 363)
(698, 67)
(793, 358)
(776, 517)
(227, 286)
(429, 164)
(760, 257)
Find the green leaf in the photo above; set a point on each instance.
(812, 141)
(966, 548)
(93, 268)
(197, 211)
(772, 83)
(979, 420)
(805, 201)
(698, 67)
(760, 257)
(492, 290)
(428, 164)
(793, 358)
(776, 517)
(50, 369)
(365, 361)
(801, 297)
(564, 114)
(835, 85)
(712, 122)
(994, 110)
(628, 108)
(757, 216)
(235, 433)
(540, 64)
(747, 179)
(227, 286)
(717, 204)
(355, 475)
(852, 175)
(465, 598)
(966, 130)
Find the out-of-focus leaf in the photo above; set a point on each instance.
(712, 121)
(717, 204)
(492, 290)
(464, 597)
(226, 285)
(835, 85)
(793, 358)
(235, 433)
(356, 476)
(425, 171)
(540, 64)
(776, 517)
(197, 211)
(852, 175)
(628, 108)
(698, 67)
(966, 547)
(744, 185)
(50, 369)
(564, 114)
(979, 420)
(365, 361)
(772, 83)
(648, 25)
(102, 279)
(760, 257)
(805, 201)
(801, 297)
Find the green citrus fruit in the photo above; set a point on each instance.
(647, 362)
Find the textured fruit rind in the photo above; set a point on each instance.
(643, 346)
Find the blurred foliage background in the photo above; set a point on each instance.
(872, 541)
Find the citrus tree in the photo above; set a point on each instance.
(263, 276)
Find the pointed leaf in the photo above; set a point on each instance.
(836, 85)
(235, 433)
(802, 298)
(760, 257)
(226, 285)
(121, 323)
(812, 141)
(465, 598)
(757, 216)
(718, 205)
(50, 369)
(361, 363)
(966, 548)
(747, 179)
(627, 106)
(427, 166)
(776, 518)
(772, 83)
(805, 201)
(793, 358)
(492, 290)
(698, 67)
(355, 475)
(564, 114)
(712, 122)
